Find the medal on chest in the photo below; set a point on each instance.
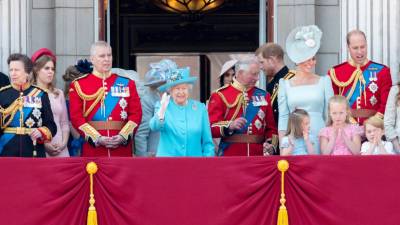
(123, 104)
(32, 102)
(259, 101)
(373, 87)
(120, 90)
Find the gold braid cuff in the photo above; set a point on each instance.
(275, 140)
(128, 129)
(97, 97)
(89, 132)
(46, 132)
(221, 125)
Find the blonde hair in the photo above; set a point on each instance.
(375, 121)
(295, 123)
(341, 100)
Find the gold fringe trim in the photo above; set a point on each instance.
(283, 218)
(91, 169)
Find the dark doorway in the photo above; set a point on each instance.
(140, 27)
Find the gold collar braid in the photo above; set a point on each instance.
(97, 97)
(356, 77)
(7, 114)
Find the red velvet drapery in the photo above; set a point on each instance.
(197, 191)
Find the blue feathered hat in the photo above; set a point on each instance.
(159, 72)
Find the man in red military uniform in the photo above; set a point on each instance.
(241, 114)
(366, 84)
(105, 107)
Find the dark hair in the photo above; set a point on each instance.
(73, 72)
(28, 65)
(221, 78)
(270, 50)
(38, 65)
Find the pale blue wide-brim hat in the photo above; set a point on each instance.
(159, 72)
(303, 43)
(178, 76)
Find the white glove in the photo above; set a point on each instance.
(164, 103)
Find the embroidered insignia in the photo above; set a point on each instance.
(373, 100)
(258, 124)
(123, 103)
(373, 87)
(40, 122)
(36, 113)
(261, 114)
(194, 107)
(30, 122)
(124, 115)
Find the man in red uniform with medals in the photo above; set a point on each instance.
(241, 114)
(105, 107)
(366, 84)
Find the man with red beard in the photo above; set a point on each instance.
(366, 84)
(105, 107)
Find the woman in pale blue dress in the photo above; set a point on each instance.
(305, 90)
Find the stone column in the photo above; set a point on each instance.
(74, 32)
(14, 27)
(380, 21)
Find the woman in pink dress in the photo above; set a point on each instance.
(43, 74)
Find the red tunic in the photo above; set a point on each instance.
(115, 104)
(373, 96)
(226, 104)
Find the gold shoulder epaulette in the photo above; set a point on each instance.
(289, 75)
(5, 87)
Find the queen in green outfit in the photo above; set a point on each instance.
(183, 123)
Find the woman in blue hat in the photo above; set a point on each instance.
(183, 123)
(305, 90)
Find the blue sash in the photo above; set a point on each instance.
(366, 74)
(110, 101)
(251, 112)
(6, 137)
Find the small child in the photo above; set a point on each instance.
(340, 137)
(374, 131)
(298, 140)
